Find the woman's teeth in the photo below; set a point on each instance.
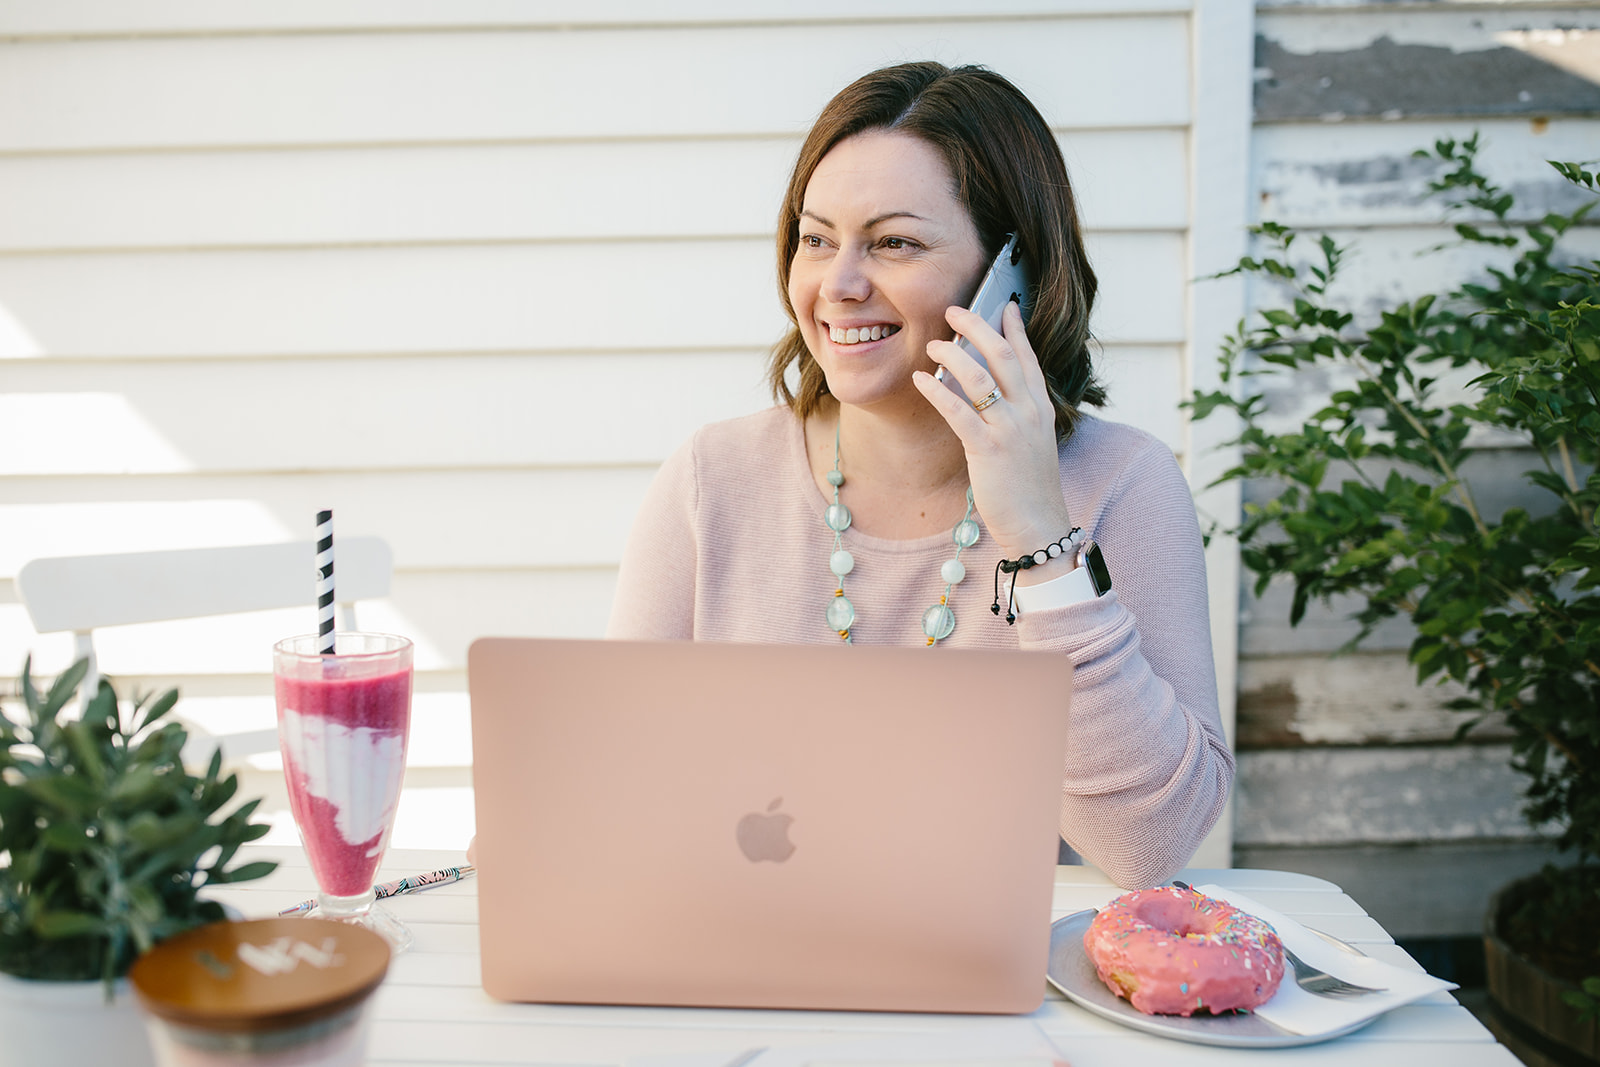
(855, 335)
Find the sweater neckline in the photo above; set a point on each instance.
(816, 504)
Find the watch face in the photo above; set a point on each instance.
(1096, 565)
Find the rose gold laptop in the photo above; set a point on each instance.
(766, 826)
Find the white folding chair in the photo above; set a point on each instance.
(81, 594)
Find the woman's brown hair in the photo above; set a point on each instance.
(1011, 178)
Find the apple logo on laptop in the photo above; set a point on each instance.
(765, 837)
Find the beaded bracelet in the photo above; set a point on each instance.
(1022, 563)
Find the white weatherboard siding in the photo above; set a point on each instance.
(45, 17)
(1346, 761)
(468, 272)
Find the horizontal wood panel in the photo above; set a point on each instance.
(386, 194)
(1459, 61)
(1461, 25)
(1125, 179)
(1435, 890)
(1321, 175)
(1314, 7)
(552, 297)
(429, 413)
(557, 517)
(352, 414)
(1340, 796)
(1143, 291)
(50, 17)
(538, 84)
(442, 611)
(1129, 179)
(547, 297)
(1143, 388)
(1364, 699)
(1385, 267)
(1264, 628)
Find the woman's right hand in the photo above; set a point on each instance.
(1012, 452)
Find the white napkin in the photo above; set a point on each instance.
(1299, 1012)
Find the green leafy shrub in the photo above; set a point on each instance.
(1368, 497)
(107, 840)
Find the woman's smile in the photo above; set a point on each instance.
(854, 335)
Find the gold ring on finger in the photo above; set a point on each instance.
(986, 399)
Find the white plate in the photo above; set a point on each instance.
(1072, 972)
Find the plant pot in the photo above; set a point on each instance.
(1528, 1014)
(70, 1022)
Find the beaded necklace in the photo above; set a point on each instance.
(938, 622)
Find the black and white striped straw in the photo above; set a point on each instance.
(325, 583)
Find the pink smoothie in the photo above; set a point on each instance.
(344, 754)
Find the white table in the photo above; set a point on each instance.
(431, 1009)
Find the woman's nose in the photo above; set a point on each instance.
(845, 279)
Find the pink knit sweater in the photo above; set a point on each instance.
(730, 545)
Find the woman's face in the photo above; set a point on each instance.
(885, 247)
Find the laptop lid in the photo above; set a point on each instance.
(769, 826)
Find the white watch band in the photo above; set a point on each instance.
(1074, 587)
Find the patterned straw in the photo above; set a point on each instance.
(325, 582)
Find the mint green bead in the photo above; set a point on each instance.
(965, 534)
(841, 613)
(838, 518)
(841, 563)
(953, 571)
(938, 622)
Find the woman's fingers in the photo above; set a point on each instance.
(963, 419)
(1027, 358)
(1012, 366)
(975, 378)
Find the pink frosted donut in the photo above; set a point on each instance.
(1171, 951)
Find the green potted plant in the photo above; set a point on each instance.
(1369, 495)
(107, 844)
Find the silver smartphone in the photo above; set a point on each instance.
(1007, 276)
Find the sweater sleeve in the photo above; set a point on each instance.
(656, 583)
(1147, 766)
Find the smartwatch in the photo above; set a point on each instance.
(1092, 563)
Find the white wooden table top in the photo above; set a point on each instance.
(432, 1010)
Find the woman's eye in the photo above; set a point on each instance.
(810, 240)
(896, 244)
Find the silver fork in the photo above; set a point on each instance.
(1322, 983)
(1310, 978)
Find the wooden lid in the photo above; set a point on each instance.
(260, 975)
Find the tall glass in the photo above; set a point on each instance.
(343, 723)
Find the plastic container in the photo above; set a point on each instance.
(262, 993)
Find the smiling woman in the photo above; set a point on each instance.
(874, 475)
(1006, 172)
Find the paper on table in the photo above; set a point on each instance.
(1299, 1012)
(1002, 1043)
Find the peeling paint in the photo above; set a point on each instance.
(1355, 187)
(1358, 699)
(1342, 796)
(1378, 169)
(1365, 175)
(1390, 81)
